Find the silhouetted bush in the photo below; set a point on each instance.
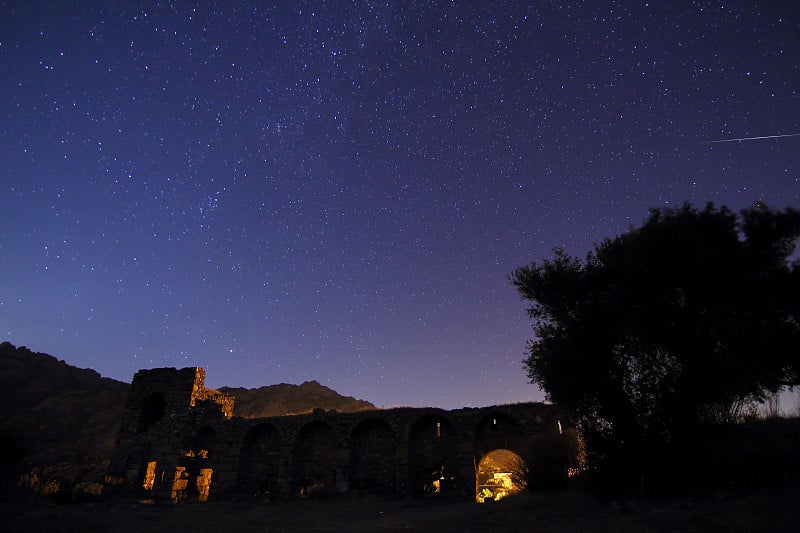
(12, 453)
(754, 455)
(758, 454)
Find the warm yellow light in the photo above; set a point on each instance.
(150, 476)
(499, 474)
(203, 481)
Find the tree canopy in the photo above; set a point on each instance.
(670, 324)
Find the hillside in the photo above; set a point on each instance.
(56, 416)
(61, 421)
(284, 399)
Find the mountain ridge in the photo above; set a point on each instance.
(288, 399)
(61, 422)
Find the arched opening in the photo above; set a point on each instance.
(372, 457)
(433, 456)
(153, 408)
(499, 473)
(204, 440)
(191, 480)
(314, 460)
(260, 460)
(497, 430)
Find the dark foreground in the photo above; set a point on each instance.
(763, 511)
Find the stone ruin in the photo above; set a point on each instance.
(159, 445)
(179, 441)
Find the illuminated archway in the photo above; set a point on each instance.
(499, 473)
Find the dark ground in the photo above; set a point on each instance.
(762, 511)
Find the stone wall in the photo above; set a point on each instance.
(159, 425)
(181, 441)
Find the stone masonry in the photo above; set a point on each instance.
(181, 441)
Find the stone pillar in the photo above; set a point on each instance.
(203, 482)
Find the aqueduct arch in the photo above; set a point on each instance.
(259, 464)
(314, 458)
(433, 455)
(403, 451)
(373, 452)
(499, 473)
(495, 430)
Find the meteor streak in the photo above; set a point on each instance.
(752, 138)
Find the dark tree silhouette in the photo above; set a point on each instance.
(667, 326)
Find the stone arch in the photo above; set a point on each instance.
(500, 473)
(259, 465)
(433, 455)
(153, 408)
(373, 456)
(497, 430)
(314, 459)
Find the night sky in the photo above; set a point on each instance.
(338, 191)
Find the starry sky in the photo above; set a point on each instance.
(338, 190)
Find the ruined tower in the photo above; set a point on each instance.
(167, 431)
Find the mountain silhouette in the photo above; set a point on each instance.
(285, 399)
(61, 422)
